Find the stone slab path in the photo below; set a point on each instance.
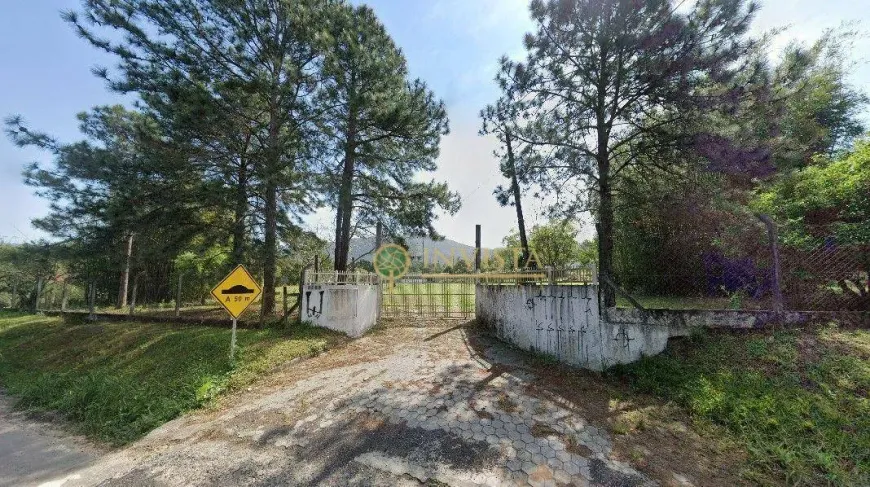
(402, 406)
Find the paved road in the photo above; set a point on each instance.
(33, 452)
(404, 406)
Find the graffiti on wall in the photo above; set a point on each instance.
(313, 311)
(559, 329)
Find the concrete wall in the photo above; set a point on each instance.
(679, 322)
(351, 309)
(564, 322)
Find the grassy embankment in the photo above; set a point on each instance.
(117, 381)
(796, 401)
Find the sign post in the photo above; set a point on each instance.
(235, 293)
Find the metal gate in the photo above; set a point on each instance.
(429, 296)
(452, 295)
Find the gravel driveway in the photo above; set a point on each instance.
(432, 405)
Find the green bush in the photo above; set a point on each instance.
(796, 401)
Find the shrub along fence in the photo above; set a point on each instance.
(753, 268)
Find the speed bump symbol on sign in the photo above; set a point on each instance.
(237, 291)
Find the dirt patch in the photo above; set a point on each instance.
(638, 424)
(578, 448)
(506, 404)
(484, 414)
(541, 430)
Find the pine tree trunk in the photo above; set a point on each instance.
(338, 245)
(605, 210)
(379, 237)
(239, 233)
(270, 214)
(605, 230)
(515, 188)
(133, 293)
(345, 198)
(346, 205)
(270, 242)
(125, 276)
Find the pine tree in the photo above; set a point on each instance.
(498, 120)
(253, 62)
(385, 130)
(612, 83)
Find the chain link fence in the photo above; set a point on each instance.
(748, 267)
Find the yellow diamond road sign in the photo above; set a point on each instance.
(237, 291)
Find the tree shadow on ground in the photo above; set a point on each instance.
(653, 435)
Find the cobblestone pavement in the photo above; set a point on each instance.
(431, 408)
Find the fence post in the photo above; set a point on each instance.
(301, 289)
(178, 297)
(285, 303)
(12, 303)
(477, 248)
(774, 252)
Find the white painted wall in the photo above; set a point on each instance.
(351, 309)
(564, 322)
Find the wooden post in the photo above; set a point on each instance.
(317, 263)
(298, 304)
(178, 297)
(774, 252)
(477, 248)
(285, 303)
(12, 303)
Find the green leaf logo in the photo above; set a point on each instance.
(392, 261)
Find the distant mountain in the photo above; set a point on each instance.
(364, 249)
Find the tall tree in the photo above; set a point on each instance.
(612, 83)
(386, 130)
(123, 179)
(498, 120)
(822, 113)
(234, 55)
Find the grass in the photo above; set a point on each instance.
(210, 310)
(689, 302)
(433, 296)
(796, 401)
(117, 381)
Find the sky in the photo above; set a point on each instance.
(453, 45)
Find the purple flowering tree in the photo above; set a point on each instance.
(610, 84)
